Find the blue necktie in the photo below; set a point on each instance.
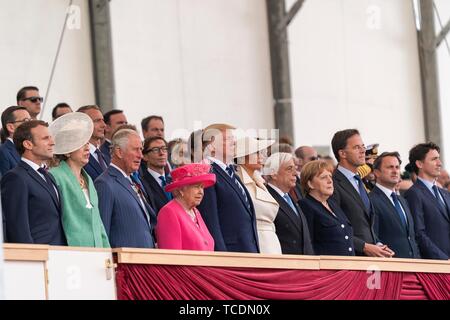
(291, 204)
(439, 200)
(164, 184)
(230, 170)
(398, 208)
(362, 192)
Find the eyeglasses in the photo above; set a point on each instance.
(157, 150)
(34, 99)
(23, 120)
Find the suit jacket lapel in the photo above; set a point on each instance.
(41, 181)
(447, 204)
(155, 185)
(434, 200)
(350, 189)
(94, 163)
(125, 184)
(284, 206)
(390, 206)
(229, 180)
(407, 212)
(13, 150)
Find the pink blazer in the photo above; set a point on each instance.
(176, 230)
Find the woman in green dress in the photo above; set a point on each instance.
(80, 213)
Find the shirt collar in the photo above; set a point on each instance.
(278, 190)
(428, 184)
(10, 139)
(350, 175)
(386, 191)
(222, 165)
(121, 171)
(92, 148)
(33, 165)
(155, 174)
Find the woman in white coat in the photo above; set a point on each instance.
(250, 157)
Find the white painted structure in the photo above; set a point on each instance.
(38, 272)
(354, 63)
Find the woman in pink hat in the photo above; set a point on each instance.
(180, 225)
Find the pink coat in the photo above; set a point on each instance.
(176, 230)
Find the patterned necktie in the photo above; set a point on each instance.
(137, 187)
(101, 159)
(164, 184)
(231, 172)
(398, 208)
(362, 192)
(289, 201)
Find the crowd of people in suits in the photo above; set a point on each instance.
(88, 179)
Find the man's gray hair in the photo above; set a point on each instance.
(275, 161)
(121, 137)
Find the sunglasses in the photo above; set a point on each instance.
(34, 99)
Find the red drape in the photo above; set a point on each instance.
(201, 283)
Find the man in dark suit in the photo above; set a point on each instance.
(394, 224)
(128, 218)
(97, 163)
(351, 196)
(30, 198)
(290, 224)
(12, 117)
(303, 154)
(154, 177)
(113, 120)
(429, 204)
(227, 208)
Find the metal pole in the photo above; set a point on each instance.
(279, 58)
(102, 54)
(429, 72)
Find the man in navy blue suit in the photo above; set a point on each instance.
(128, 218)
(429, 204)
(113, 120)
(12, 117)
(30, 198)
(227, 207)
(97, 163)
(154, 177)
(350, 194)
(394, 224)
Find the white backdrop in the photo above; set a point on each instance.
(29, 33)
(196, 60)
(355, 64)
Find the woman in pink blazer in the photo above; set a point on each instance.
(180, 225)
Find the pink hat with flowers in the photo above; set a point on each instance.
(191, 174)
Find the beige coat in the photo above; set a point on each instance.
(266, 209)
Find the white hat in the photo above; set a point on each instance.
(249, 145)
(71, 131)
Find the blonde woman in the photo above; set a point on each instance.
(250, 156)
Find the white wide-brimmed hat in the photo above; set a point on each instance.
(71, 131)
(249, 145)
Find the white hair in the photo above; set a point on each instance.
(121, 138)
(275, 161)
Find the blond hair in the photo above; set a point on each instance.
(310, 170)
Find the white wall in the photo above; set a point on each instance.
(355, 64)
(29, 33)
(193, 60)
(443, 7)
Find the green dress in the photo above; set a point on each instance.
(81, 221)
